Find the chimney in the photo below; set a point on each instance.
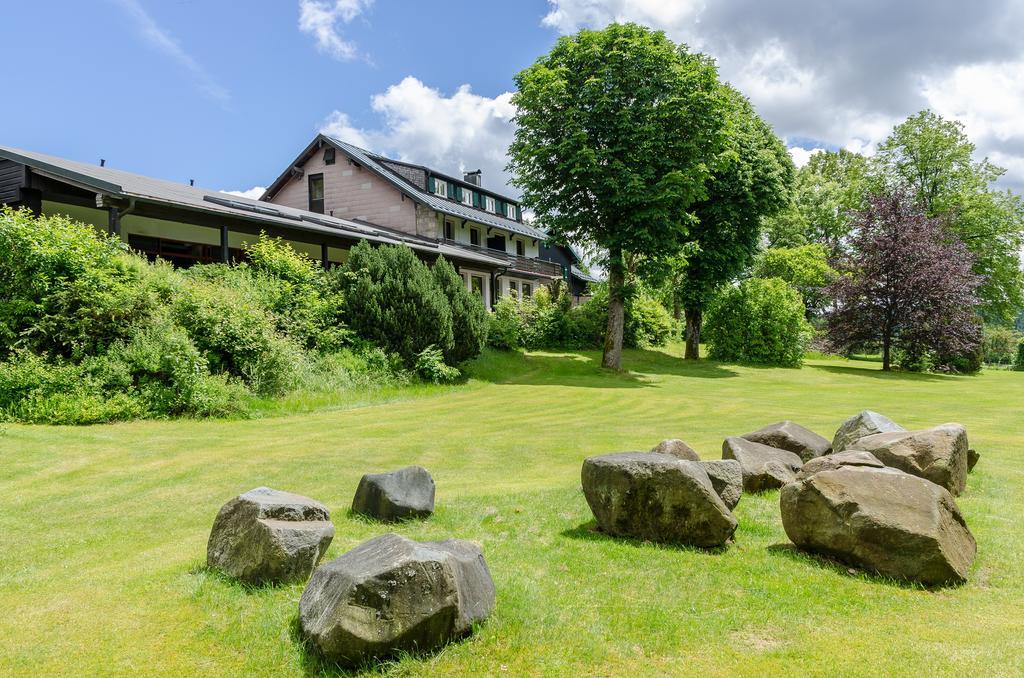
(103, 162)
(472, 178)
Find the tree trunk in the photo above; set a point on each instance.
(677, 309)
(694, 319)
(886, 342)
(612, 357)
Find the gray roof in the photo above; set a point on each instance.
(586, 277)
(118, 183)
(435, 202)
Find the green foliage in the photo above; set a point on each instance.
(430, 366)
(999, 345)
(469, 317)
(805, 268)
(1019, 362)
(392, 300)
(759, 321)
(64, 290)
(505, 328)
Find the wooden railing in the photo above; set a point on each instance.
(516, 262)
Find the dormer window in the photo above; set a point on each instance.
(510, 210)
(467, 197)
(441, 188)
(489, 204)
(329, 155)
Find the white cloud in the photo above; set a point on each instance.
(846, 73)
(801, 156)
(464, 131)
(253, 193)
(321, 19)
(162, 41)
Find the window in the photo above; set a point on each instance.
(510, 210)
(489, 203)
(316, 193)
(467, 197)
(449, 230)
(513, 288)
(441, 188)
(329, 156)
(527, 290)
(520, 248)
(477, 284)
(474, 236)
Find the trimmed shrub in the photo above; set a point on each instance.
(391, 300)
(759, 321)
(469, 317)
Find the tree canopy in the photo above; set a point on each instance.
(617, 132)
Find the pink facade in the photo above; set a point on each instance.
(352, 192)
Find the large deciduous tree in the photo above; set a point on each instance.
(905, 283)
(617, 132)
(752, 184)
(933, 159)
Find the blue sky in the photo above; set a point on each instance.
(227, 93)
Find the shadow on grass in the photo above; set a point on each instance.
(793, 553)
(228, 581)
(879, 374)
(387, 525)
(589, 532)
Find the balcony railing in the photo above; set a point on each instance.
(516, 263)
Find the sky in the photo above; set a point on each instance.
(228, 94)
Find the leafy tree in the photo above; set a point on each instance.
(469, 317)
(761, 320)
(906, 284)
(826, 193)
(392, 300)
(933, 159)
(617, 131)
(805, 268)
(752, 184)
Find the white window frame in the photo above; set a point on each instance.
(440, 188)
(489, 204)
(467, 197)
(510, 211)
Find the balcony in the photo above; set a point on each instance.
(517, 264)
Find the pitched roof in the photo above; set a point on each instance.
(121, 184)
(373, 162)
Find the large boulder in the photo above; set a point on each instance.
(863, 424)
(398, 495)
(726, 477)
(788, 435)
(268, 536)
(763, 467)
(392, 594)
(676, 448)
(834, 461)
(656, 497)
(938, 454)
(883, 520)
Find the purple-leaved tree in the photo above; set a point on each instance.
(905, 283)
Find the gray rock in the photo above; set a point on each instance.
(884, 520)
(726, 477)
(863, 424)
(764, 467)
(392, 594)
(676, 448)
(656, 497)
(834, 461)
(937, 454)
(972, 459)
(788, 435)
(398, 495)
(268, 536)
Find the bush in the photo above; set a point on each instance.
(999, 345)
(391, 300)
(506, 325)
(1019, 363)
(430, 366)
(469, 317)
(759, 321)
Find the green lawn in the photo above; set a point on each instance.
(103, 529)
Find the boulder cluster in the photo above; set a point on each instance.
(877, 496)
(387, 595)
